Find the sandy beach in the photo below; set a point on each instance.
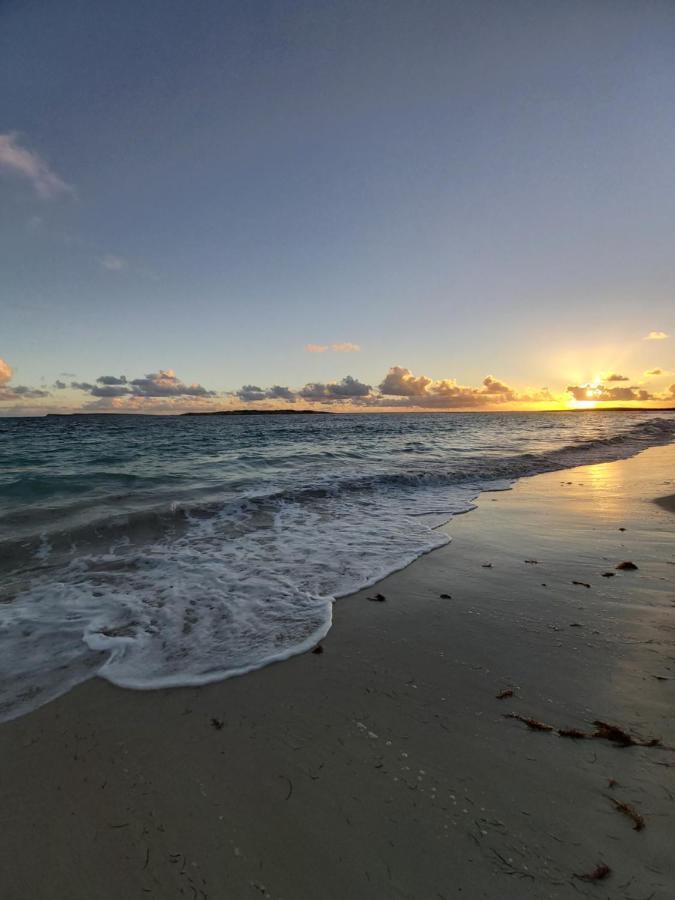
(386, 766)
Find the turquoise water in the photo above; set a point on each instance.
(159, 551)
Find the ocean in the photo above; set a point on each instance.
(165, 551)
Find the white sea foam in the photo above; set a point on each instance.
(242, 584)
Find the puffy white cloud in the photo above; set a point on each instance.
(164, 383)
(347, 389)
(13, 392)
(400, 382)
(25, 163)
(5, 372)
(251, 393)
(655, 336)
(426, 393)
(493, 386)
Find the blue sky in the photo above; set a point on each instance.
(461, 189)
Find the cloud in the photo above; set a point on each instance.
(155, 384)
(113, 263)
(20, 390)
(615, 377)
(165, 384)
(399, 389)
(492, 386)
(9, 392)
(344, 347)
(400, 382)
(132, 403)
(655, 336)
(5, 372)
(599, 392)
(251, 393)
(653, 372)
(97, 390)
(111, 379)
(59, 385)
(25, 163)
(425, 393)
(348, 388)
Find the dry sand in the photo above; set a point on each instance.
(384, 767)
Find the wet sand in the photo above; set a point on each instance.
(667, 502)
(384, 767)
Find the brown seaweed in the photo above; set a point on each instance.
(631, 812)
(599, 872)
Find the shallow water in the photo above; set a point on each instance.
(159, 551)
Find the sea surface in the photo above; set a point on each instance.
(164, 551)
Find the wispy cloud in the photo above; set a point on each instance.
(113, 263)
(655, 336)
(18, 160)
(343, 347)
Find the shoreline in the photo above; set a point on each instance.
(384, 766)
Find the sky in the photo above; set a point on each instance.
(350, 205)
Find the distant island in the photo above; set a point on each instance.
(262, 412)
(219, 412)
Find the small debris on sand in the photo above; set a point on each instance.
(572, 733)
(631, 812)
(601, 871)
(502, 695)
(532, 562)
(604, 731)
(378, 598)
(445, 596)
(612, 783)
(617, 735)
(487, 565)
(318, 649)
(581, 584)
(608, 574)
(627, 566)
(217, 724)
(622, 529)
(576, 625)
